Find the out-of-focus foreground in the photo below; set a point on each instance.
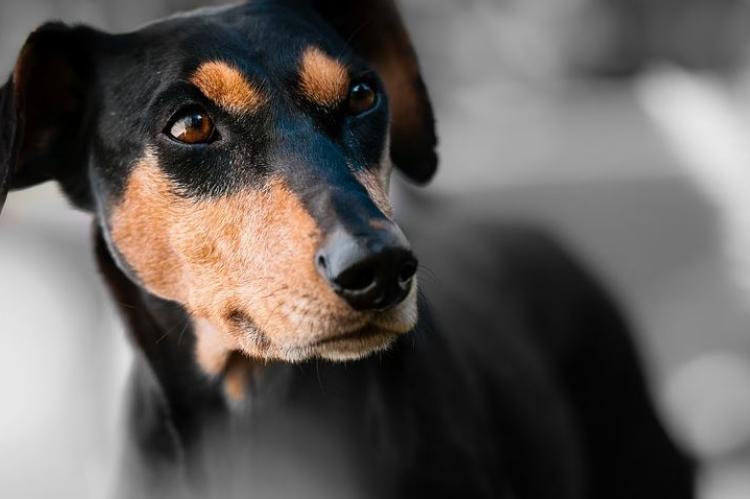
(622, 125)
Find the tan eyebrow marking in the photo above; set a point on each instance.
(227, 86)
(323, 79)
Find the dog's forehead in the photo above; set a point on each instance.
(255, 35)
(240, 57)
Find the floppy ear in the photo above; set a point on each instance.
(375, 31)
(43, 110)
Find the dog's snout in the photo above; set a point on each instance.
(371, 272)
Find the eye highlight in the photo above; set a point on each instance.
(192, 127)
(362, 98)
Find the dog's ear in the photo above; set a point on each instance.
(375, 30)
(43, 109)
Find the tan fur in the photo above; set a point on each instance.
(212, 348)
(217, 355)
(239, 376)
(245, 264)
(377, 190)
(227, 86)
(323, 79)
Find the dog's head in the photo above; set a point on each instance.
(238, 161)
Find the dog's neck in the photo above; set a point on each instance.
(197, 383)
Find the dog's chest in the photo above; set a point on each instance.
(342, 431)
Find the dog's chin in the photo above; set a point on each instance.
(352, 346)
(356, 345)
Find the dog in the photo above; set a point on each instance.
(236, 162)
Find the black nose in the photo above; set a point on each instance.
(372, 272)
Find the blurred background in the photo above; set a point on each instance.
(623, 126)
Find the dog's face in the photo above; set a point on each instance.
(238, 163)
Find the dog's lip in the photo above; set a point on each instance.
(365, 332)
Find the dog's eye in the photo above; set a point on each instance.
(192, 127)
(362, 98)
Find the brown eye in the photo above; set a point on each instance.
(362, 98)
(194, 127)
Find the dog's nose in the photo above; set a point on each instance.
(371, 272)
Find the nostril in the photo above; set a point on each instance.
(359, 277)
(369, 273)
(407, 270)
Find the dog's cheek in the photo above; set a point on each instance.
(249, 254)
(256, 260)
(140, 226)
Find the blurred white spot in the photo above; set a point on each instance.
(710, 400)
(699, 119)
(726, 481)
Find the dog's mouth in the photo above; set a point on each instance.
(377, 334)
(356, 344)
(361, 334)
(295, 337)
